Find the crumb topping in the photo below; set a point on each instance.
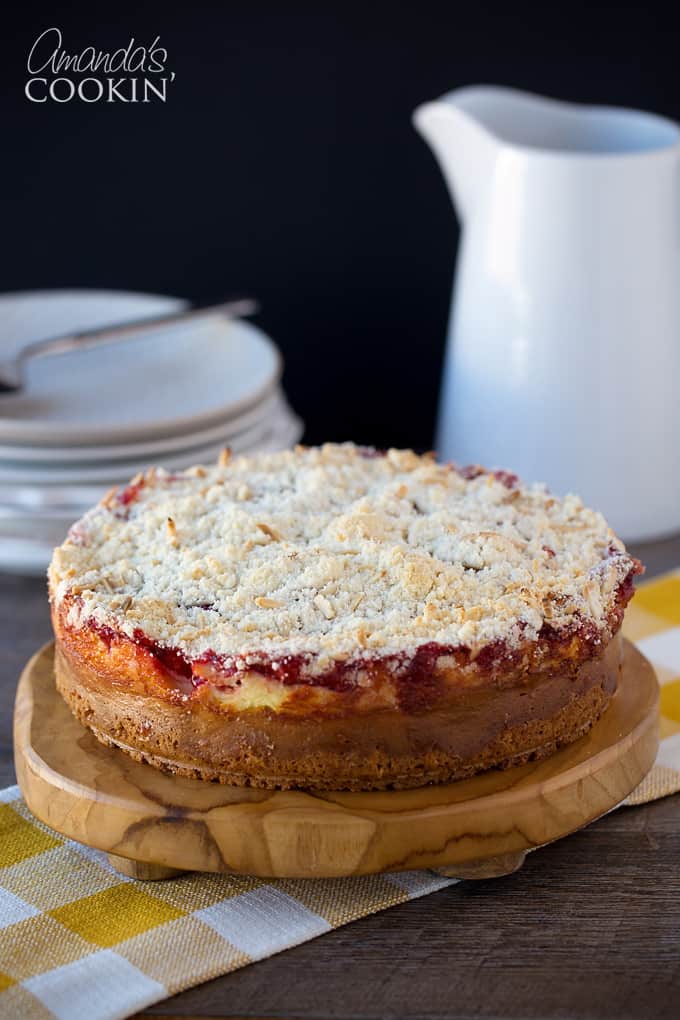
(336, 552)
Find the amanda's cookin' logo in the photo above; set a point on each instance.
(131, 74)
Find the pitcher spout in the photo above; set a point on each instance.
(467, 128)
(463, 147)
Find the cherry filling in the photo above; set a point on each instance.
(470, 471)
(419, 684)
(415, 675)
(370, 452)
(506, 478)
(287, 669)
(171, 659)
(107, 634)
(130, 493)
(627, 587)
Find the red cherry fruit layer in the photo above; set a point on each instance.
(414, 674)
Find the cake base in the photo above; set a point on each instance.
(474, 828)
(491, 727)
(451, 732)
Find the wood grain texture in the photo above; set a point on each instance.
(101, 797)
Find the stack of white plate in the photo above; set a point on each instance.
(91, 419)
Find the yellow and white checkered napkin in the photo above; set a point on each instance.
(79, 941)
(652, 621)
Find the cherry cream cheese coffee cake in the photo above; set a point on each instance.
(338, 618)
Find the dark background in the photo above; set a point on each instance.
(284, 165)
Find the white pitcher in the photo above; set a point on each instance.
(563, 358)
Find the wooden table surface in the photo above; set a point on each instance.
(590, 927)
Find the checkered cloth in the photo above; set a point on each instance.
(79, 941)
(652, 621)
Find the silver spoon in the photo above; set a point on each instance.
(12, 369)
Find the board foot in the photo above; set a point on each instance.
(142, 871)
(492, 867)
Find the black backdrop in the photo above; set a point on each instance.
(284, 165)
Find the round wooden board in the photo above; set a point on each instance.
(154, 823)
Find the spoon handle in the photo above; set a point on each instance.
(238, 308)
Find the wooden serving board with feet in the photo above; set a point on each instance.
(155, 825)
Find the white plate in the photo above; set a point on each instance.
(21, 554)
(24, 556)
(120, 471)
(21, 455)
(21, 501)
(187, 377)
